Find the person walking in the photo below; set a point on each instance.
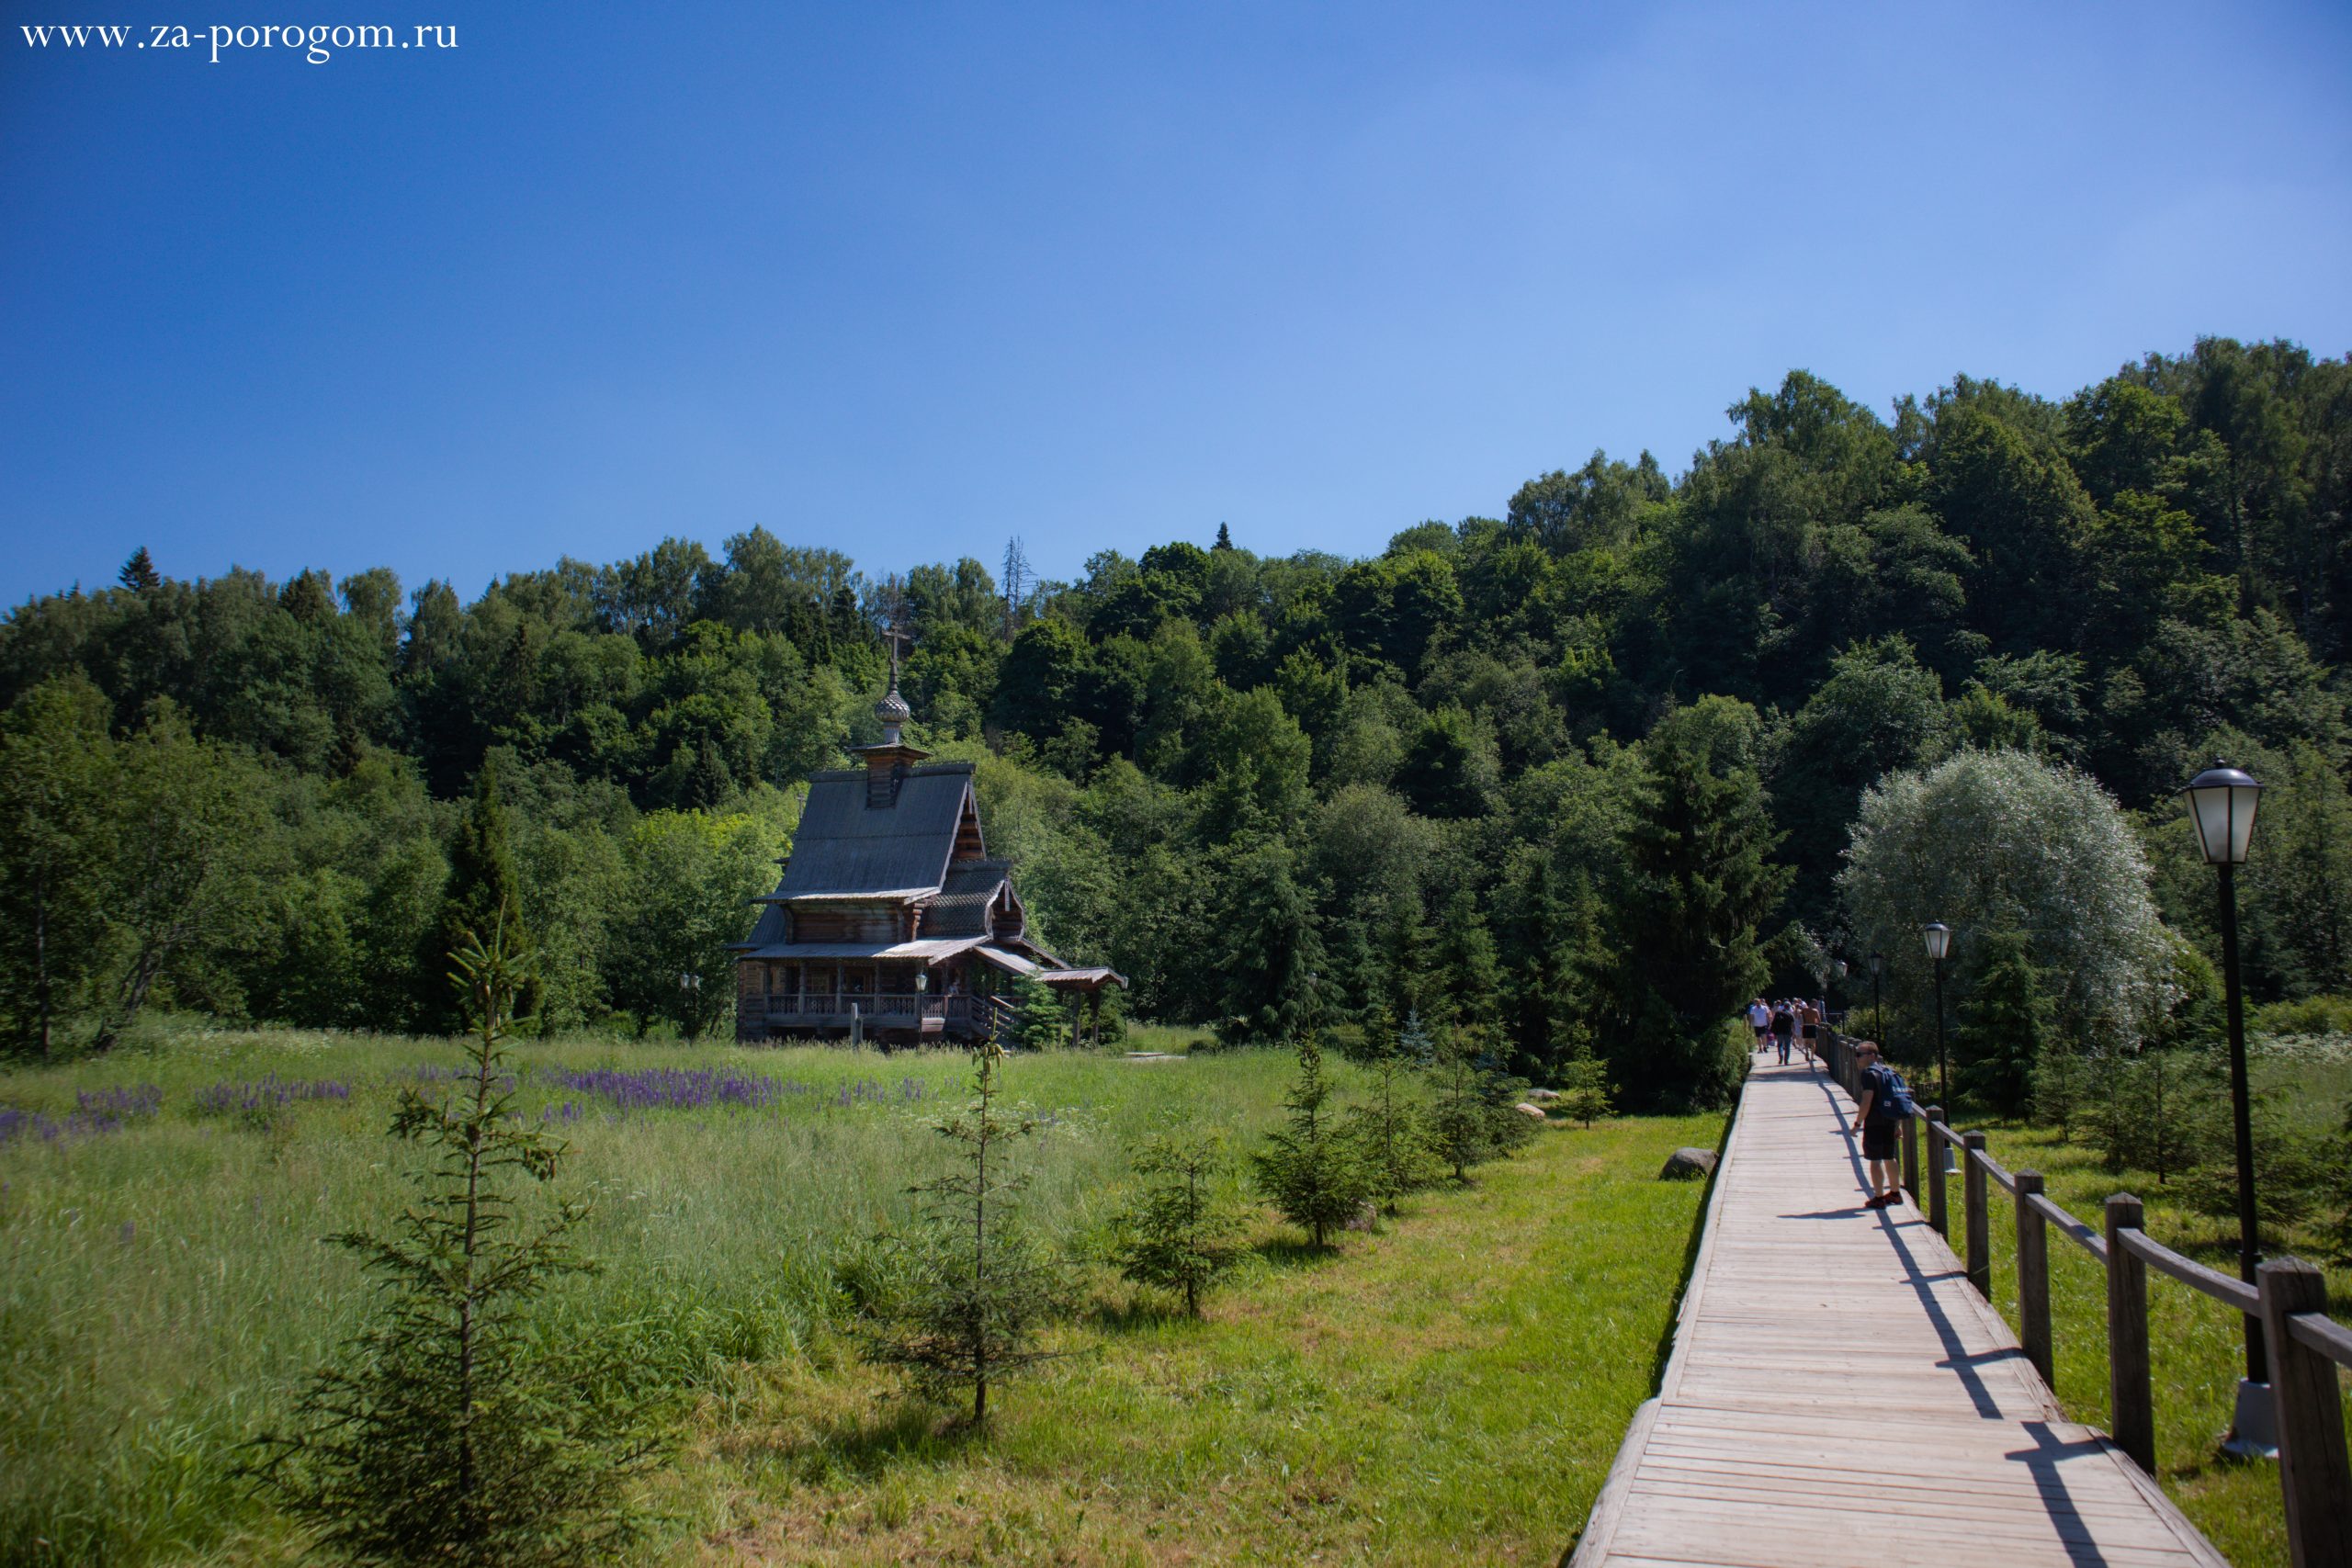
(1760, 1018)
(1876, 1118)
(1785, 1028)
(1809, 1026)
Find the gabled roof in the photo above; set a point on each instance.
(845, 848)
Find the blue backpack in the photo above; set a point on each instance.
(1893, 1102)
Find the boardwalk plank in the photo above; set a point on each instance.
(1838, 1394)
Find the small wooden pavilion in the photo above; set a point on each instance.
(891, 922)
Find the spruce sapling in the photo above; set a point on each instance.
(1311, 1172)
(977, 1289)
(1507, 1127)
(1391, 1127)
(460, 1436)
(1461, 1127)
(1585, 1092)
(1181, 1229)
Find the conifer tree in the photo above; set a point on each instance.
(1503, 1091)
(2061, 1078)
(1460, 1125)
(2007, 1028)
(139, 573)
(1470, 980)
(1271, 951)
(483, 893)
(1041, 1017)
(1310, 1172)
(1584, 1092)
(1181, 1229)
(1686, 949)
(1391, 1126)
(979, 1288)
(459, 1435)
(1415, 1044)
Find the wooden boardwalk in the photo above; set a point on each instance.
(1837, 1395)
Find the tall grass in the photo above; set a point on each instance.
(163, 1288)
(2197, 1345)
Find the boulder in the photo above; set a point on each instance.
(1365, 1218)
(1543, 1096)
(1688, 1165)
(1535, 1111)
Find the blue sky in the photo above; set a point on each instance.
(908, 279)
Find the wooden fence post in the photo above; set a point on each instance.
(2033, 1274)
(2313, 1470)
(1911, 1157)
(1936, 1214)
(1978, 1220)
(2131, 1408)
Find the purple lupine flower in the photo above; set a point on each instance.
(267, 1093)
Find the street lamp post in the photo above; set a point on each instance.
(1938, 937)
(2221, 802)
(1878, 1014)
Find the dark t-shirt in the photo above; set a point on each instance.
(1782, 1023)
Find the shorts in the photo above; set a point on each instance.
(1808, 1032)
(1878, 1140)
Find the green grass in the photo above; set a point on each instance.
(1455, 1386)
(2197, 1344)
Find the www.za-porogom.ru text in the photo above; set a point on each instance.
(317, 44)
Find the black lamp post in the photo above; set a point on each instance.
(1878, 1014)
(2221, 802)
(1938, 937)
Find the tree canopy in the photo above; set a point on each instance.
(1275, 791)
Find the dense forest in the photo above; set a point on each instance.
(1580, 776)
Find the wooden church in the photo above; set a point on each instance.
(891, 922)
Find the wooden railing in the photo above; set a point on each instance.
(2304, 1346)
(869, 1004)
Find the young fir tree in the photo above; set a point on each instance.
(1041, 1019)
(1462, 1133)
(1584, 1092)
(1181, 1227)
(978, 1289)
(1310, 1172)
(2007, 1027)
(1507, 1127)
(459, 1434)
(483, 893)
(2061, 1079)
(1390, 1128)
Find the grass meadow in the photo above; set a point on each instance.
(1449, 1390)
(2197, 1344)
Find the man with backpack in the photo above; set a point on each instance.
(1886, 1105)
(1784, 1028)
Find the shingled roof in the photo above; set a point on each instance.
(844, 848)
(961, 907)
